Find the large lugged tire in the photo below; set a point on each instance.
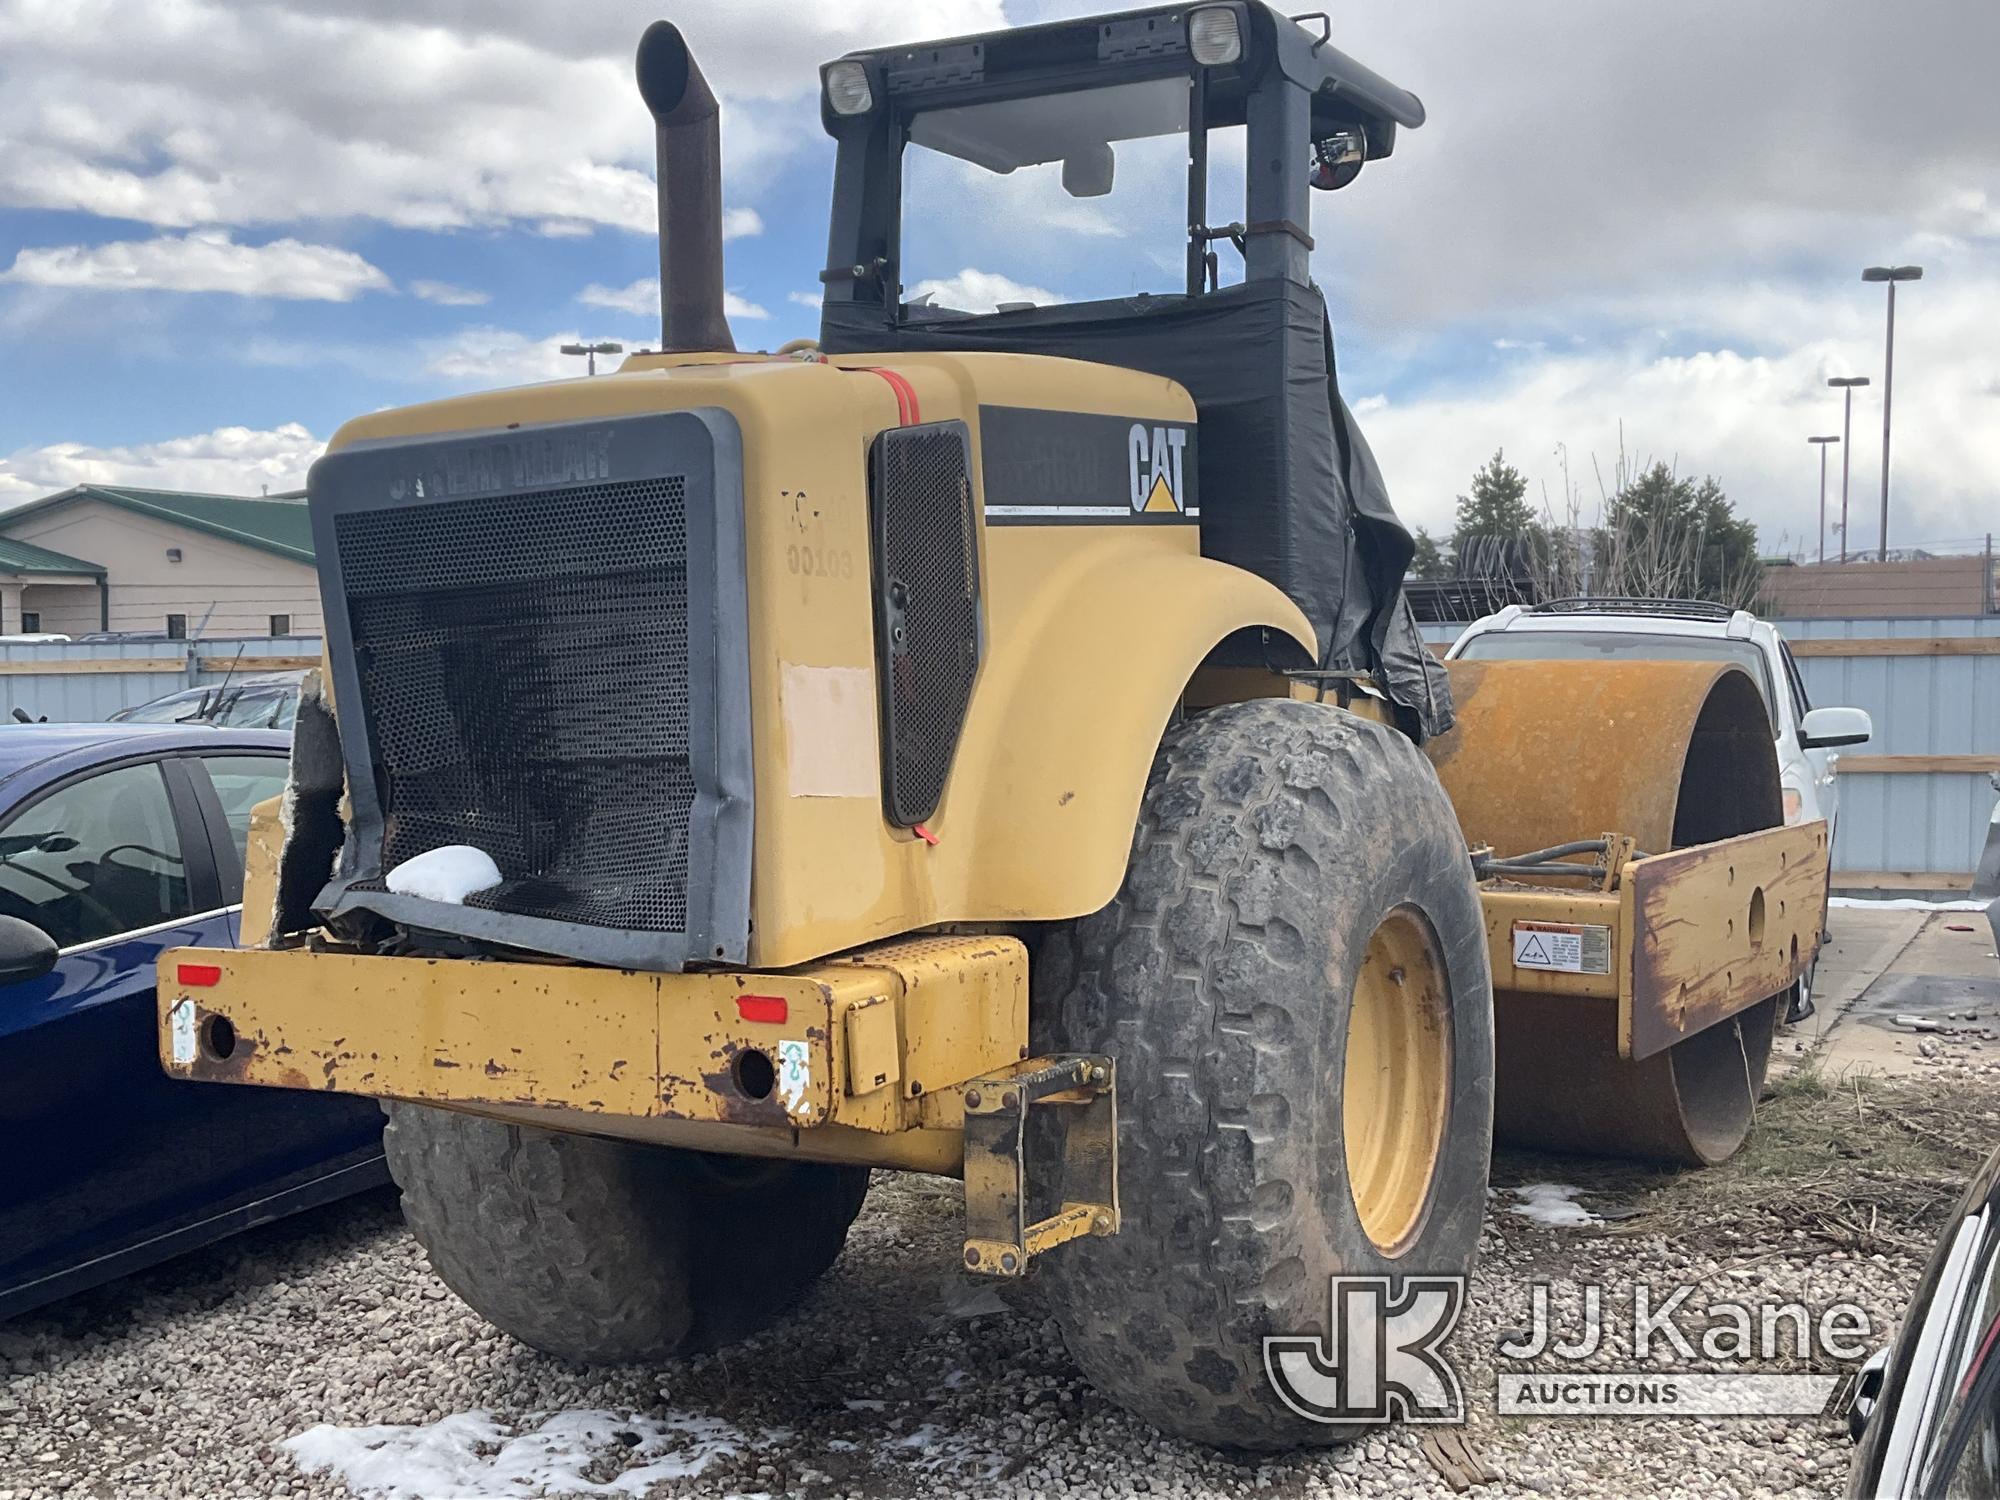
(1295, 985)
(603, 1251)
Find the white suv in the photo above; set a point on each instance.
(1808, 738)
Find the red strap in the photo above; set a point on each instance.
(907, 409)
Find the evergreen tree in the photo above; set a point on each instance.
(1672, 537)
(1498, 504)
(1429, 561)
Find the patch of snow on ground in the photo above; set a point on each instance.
(1553, 1204)
(972, 1301)
(1906, 903)
(449, 874)
(471, 1456)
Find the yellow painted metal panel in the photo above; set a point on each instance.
(874, 1059)
(417, 1028)
(697, 1048)
(1092, 633)
(1506, 906)
(260, 872)
(1718, 927)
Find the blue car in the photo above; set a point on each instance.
(117, 842)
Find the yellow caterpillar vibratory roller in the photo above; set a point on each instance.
(989, 743)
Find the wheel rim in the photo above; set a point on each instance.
(1396, 1087)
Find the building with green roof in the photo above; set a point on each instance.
(111, 557)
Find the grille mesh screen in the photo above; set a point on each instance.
(524, 673)
(927, 608)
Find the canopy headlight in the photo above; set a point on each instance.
(1213, 37)
(847, 88)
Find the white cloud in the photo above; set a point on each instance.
(446, 295)
(202, 261)
(642, 299)
(805, 299)
(427, 114)
(1740, 408)
(229, 460)
(738, 222)
(979, 291)
(477, 357)
(1702, 143)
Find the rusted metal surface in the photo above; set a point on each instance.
(1715, 923)
(920, 1150)
(1549, 751)
(999, 1238)
(697, 1048)
(1668, 754)
(1563, 1086)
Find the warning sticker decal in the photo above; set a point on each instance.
(180, 1025)
(794, 1077)
(1562, 947)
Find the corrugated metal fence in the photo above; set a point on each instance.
(1915, 800)
(89, 681)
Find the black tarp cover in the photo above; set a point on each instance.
(1289, 489)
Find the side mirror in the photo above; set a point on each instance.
(1867, 1393)
(1087, 173)
(1825, 728)
(26, 952)
(1338, 159)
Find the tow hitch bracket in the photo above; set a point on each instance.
(999, 1239)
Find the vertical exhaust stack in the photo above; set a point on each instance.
(688, 139)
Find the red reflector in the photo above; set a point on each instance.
(200, 974)
(762, 1007)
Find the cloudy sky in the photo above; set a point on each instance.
(226, 227)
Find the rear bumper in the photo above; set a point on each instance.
(854, 1059)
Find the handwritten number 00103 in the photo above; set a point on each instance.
(820, 562)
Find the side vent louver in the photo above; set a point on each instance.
(927, 631)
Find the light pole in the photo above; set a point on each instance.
(1820, 443)
(1845, 384)
(592, 351)
(1892, 275)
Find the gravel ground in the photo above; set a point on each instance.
(899, 1377)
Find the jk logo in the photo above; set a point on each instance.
(1380, 1358)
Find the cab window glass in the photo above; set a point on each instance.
(96, 858)
(241, 782)
(1801, 700)
(1102, 174)
(1976, 1474)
